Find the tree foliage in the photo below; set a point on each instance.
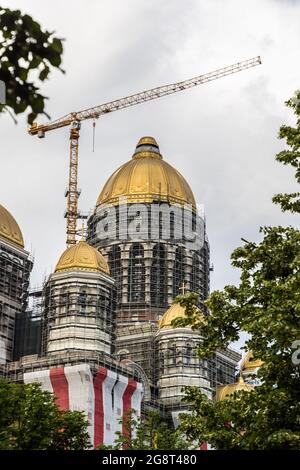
(30, 420)
(266, 305)
(291, 157)
(149, 432)
(27, 55)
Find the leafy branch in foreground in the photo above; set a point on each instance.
(27, 55)
(30, 420)
(265, 305)
(146, 433)
(291, 157)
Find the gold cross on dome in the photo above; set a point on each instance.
(183, 288)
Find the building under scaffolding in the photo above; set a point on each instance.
(147, 226)
(15, 268)
(99, 333)
(74, 317)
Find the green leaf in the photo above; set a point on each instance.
(266, 305)
(57, 45)
(23, 38)
(44, 73)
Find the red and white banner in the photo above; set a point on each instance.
(104, 398)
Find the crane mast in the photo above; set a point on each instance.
(74, 120)
(72, 192)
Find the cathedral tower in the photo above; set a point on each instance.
(79, 304)
(179, 363)
(147, 226)
(15, 268)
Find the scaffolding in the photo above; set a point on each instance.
(151, 267)
(78, 313)
(15, 268)
(150, 271)
(29, 326)
(111, 320)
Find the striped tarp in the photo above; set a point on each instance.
(104, 398)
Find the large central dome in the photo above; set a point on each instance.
(146, 178)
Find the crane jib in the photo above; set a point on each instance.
(138, 98)
(74, 119)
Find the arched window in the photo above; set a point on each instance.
(161, 362)
(83, 300)
(122, 354)
(158, 277)
(172, 354)
(136, 275)
(160, 224)
(196, 273)
(187, 353)
(172, 225)
(206, 268)
(64, 300)
(178, 273)
(115, 268)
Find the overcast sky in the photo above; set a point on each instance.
(221, 136)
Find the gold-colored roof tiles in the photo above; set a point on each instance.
(82, 257)
(224, 391)
(249, 362)
(9, 229)
(147, 178)
(175, 311)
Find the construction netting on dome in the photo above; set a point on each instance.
(15, 268)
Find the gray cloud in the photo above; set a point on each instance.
(221, 136)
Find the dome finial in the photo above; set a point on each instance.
(183, 288)
(147, 140)
(147, 147)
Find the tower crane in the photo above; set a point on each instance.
(74, 121)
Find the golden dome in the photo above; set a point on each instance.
(224, 391)
(82, 257)
(146, 178)
(175, 311)
(249, 362)
(9, 229)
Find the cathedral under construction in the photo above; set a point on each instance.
(98, 333)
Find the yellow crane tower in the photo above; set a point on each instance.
(74, 121)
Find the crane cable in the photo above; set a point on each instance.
(94, 128)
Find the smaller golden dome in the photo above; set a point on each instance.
(249, 362)
(9, 229)
(175, 311)
(82, 257)
(224, 391)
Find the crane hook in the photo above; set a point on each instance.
(94, 126)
